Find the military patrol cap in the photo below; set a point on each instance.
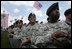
(31, 14)
(19, 21)
(52, 7)
(67, 12)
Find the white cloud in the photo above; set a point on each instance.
(18, 3)
(16, 10)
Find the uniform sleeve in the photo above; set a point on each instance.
(65, 28)
(15, 30)
(24, 34)
(43, 39)
(16, 36)
(43, 29)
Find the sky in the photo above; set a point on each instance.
(18, 9)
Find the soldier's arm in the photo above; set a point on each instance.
(10, 35)
(26, 41)
(59, 32)
(54, 37)
(63, 33)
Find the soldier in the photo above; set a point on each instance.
(18, 31)
(68, 21)
(53, 27)
(67, 14)
(66, 28)
(68, 18)
(65, 32)
(32, 30)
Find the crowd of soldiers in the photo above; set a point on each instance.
(53, 34)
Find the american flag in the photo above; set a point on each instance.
(4, 21)
(37, 5)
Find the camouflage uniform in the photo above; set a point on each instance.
(18, 32)
(32, 31)
(16, 40)
(10, 39)
(66, 28)
(10, 30)
(49, 30)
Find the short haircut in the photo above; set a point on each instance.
(67, 12)
(31, 14)
(19, 21)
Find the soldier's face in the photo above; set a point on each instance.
(68, 17)
(32, 19)
(54, 15)
(19, 24)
